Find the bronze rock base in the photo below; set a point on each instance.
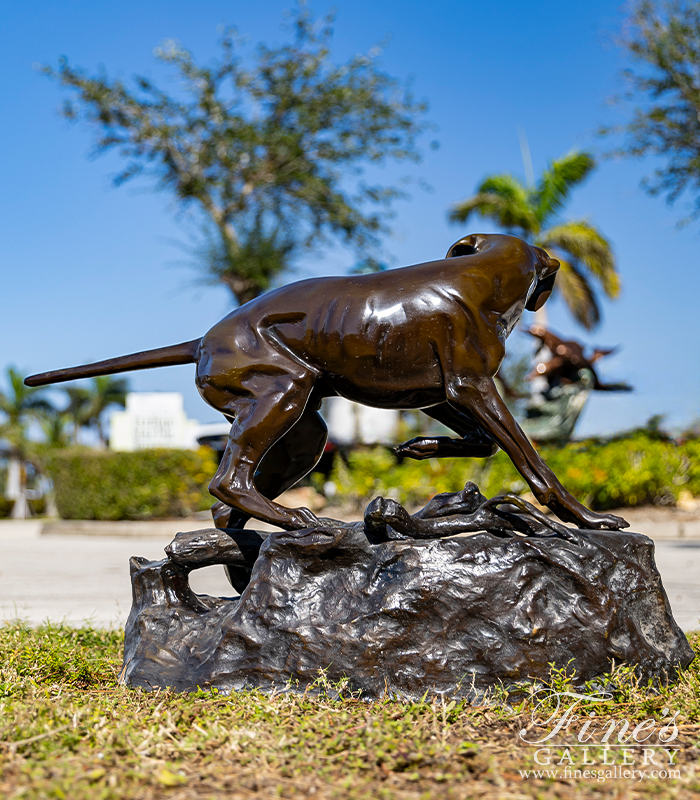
(402, 617)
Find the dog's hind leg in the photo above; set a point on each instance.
(284, 464)
(273, 404)
(293, 456)
(475, 442)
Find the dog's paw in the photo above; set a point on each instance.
(587, 519)
(304, 518)
(419, 448)
(607, 522)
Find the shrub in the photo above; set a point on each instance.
(139, 485)
(635, 470)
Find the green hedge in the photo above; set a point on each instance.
(636, 470)
(629, 471)
(145, 484)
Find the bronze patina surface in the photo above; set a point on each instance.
(430, 336)
(391, 608)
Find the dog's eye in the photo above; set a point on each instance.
(461, 250)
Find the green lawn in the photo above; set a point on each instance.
(68, 730)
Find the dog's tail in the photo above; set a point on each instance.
(185, 353)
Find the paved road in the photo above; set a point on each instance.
(78, 578)
(86, 578)
(678, 562)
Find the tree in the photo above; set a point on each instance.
(77, 408)
(54, 424)
(663, 39)
(19, 406)
(584, 253)
(266, 152)
(104, 392)
(87, 404)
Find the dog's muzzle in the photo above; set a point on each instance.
(541, 293)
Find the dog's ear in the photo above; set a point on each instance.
(466, 246)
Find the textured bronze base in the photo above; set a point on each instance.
(449, 616)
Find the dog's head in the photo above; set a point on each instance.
(545, 267)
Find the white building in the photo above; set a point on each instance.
(348, 423)
(352, 423)
(153, 419)
(158, 419)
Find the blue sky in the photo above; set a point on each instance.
(90, 271)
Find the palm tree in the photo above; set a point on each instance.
(104, 391)
(584, 253)
(86, 404)
(77, 409)
(54, 425)
(19, 405)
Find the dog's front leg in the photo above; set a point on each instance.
(479, 396)
(475, 441)
(422, 447)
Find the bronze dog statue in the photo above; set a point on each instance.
(430, 336)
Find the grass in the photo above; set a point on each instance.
(69, 730)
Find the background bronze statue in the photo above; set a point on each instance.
(430, 336)
(561, 381)
(567, 360)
